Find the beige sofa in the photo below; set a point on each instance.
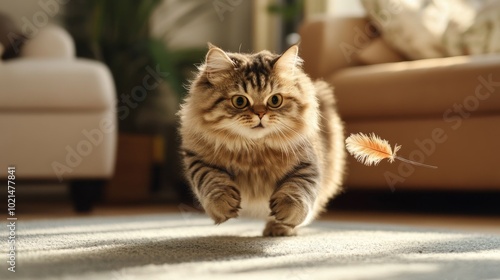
(444, 111)
(57, 117)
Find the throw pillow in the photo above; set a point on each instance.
(437, 28)
(414, 28)
(378, 51)
(483, 35)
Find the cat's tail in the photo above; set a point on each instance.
(332, 134)
(324, 93)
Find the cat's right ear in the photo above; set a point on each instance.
(218, 64)
(211, 46)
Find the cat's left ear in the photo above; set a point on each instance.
(288, 62)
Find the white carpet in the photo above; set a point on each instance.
(191, 247)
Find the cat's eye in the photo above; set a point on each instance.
(275, 101)
(239, 101)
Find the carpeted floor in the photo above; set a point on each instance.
(189, 246)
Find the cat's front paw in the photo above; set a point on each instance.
(288, 209)
(222, 203)
(274, 229)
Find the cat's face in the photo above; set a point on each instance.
(254, 96)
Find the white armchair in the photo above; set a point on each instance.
(57, 117)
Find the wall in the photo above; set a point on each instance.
(225, 23)
(33, 13)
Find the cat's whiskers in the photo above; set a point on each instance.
(324, 118)
(300, 136)
(284, 130)
(218, 143)
(284, 147)
(296, 146)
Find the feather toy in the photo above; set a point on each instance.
(371, 149)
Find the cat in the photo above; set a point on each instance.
(260, 139)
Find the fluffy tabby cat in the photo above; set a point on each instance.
(260, 139)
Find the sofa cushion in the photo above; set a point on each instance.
(430, 88)
(332, 43)
(438, 28)
(54, 84)
(467, 157)
(378, 51)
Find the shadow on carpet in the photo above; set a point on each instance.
(191, 247)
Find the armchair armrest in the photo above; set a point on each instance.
(329, 43)
(50, 42)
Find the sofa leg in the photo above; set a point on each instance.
(86, 193)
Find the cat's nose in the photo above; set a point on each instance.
(260, 110)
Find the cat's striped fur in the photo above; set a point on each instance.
(279, 162)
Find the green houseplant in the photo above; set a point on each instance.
(117, 32)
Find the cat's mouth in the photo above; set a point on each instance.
(258, 126)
